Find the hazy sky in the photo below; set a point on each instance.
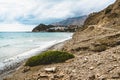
(22, 15)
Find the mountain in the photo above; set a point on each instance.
(42, 27)
(52, 28)
(72, 21)
(68, 25)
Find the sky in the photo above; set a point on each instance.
(24, 15)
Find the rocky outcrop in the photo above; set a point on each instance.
(42, 28)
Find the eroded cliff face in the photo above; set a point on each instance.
(98, 25)
(99, 37)
(108, 17)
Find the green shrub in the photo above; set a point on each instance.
(49, 57)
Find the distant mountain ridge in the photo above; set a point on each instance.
(68, 25)
(72, 21)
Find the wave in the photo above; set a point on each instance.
(16, 61)
(7, 45)
(4, 46)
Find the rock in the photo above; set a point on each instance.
(52, 69)
(115, 65)
(58, 76)
(99, 63)
(85, 60)
(102, 78)
(42, 75)
(70, 60)
(73, 70)
(97, 74)
(92, 77)
(116, 76)
(26, 69)
(91, 68)
(27, 79)
(4, 79)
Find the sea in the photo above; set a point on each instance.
(16, 47)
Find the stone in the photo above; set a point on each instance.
(56, 77)
(85, 60)
(92, 77)
(52, 69)
(26, 69)
(116, 76)
(91, 68)
(4, 79)
(43, 76)
(73, 70)
(27, 79)
(102, 78)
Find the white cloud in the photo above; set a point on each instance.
(15, 27)
(12, 11)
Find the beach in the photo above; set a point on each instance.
(20, 66)
(23, 45)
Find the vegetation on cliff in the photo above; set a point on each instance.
(49, 57)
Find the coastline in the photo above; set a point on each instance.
(57, 46)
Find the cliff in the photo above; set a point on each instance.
(97, 44)
(98, 25)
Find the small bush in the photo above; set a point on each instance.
(49, 57)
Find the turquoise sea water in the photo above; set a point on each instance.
(17, 46)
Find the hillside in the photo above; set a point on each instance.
(99, 25)
(97, 44)
(52, 28)
(72, 21)
(42, 28)
(68, 25)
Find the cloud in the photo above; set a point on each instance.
(46, 11)
(16, 27)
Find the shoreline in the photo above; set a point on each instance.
(57, 46)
